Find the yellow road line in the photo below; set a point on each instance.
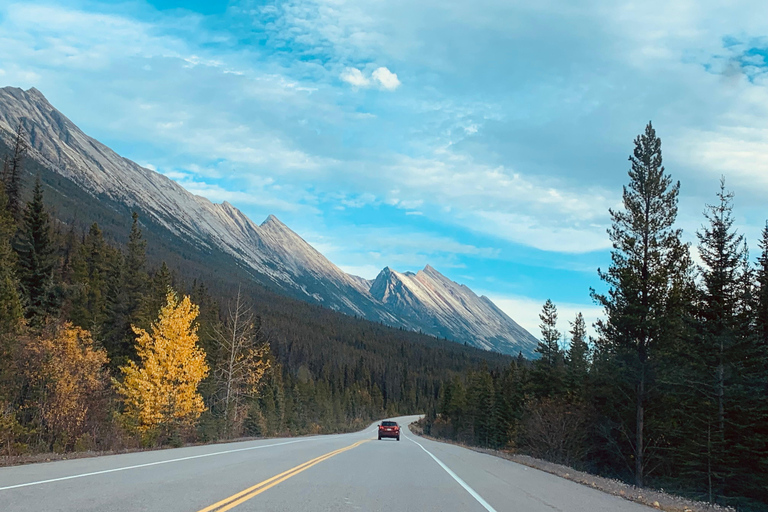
(246, 494)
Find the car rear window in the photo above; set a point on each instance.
(388, 424)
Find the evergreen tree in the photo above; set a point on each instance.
(91, 276)
(135, 269)
(761, 299)
(154, 297)
(577, 358)
(11, 311)
(549, 346)
(548, 377)
(116, 326)
(647, 262)
(12, 171)
(36, 257)
(722, 254)
(480, 396)
(127, 288)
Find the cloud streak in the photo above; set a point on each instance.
(500, 125)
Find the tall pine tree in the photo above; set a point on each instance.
(549, 346)
(647, 261)
(91, 275)
(549, 371)
(761, 302)
(11, 310)
(12, 171)
(36, 257)
(577, 357)
(135, 269)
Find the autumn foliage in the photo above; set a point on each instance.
(161, 391)
(68, 371)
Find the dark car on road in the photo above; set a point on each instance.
(389, 429)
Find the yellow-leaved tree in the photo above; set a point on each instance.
(160, 393)
(68, 370)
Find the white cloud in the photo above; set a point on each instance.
(382, 77)
(531, 150)
(386, 78)
(741, 153)
(355, 77)
(376, 247)
(364, 271)
(496, 201)
(525, 311)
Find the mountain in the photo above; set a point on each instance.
(274, 254)
(436, 304)
(219, 234)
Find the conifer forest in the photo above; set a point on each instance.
(108, 344)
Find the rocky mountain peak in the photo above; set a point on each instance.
(38, 96)
(271, 220)
(276, 256)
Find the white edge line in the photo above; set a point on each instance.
(461, 482)
(82, 475)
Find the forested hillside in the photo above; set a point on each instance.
(112, 339)
(673, 392)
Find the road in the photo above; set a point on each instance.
(319, 473)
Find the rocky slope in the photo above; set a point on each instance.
(273, 253)
(431, 301)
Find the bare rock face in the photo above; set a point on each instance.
(430, 301)
(426, 301)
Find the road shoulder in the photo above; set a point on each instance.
(649, 497)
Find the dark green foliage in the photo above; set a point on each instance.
(135, 273)
(761, 302)
(722, 459)
(549, 346)
(10, 304)
(721, 249)
(126, 298)
(577, 358)
(674, 392)
(550, 368)
(658, 358)
(36, 254)
(648, 263)
(12, 173)
(96, 265)
(154, 296)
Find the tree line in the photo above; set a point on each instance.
(103, 347)
(673, 390)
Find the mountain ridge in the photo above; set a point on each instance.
(275, 254)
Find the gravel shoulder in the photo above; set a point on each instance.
(657, 499)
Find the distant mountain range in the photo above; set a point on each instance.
(271, 252)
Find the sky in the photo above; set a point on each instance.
(486, 138)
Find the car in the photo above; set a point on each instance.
(389, 429)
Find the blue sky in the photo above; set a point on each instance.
(486, 138)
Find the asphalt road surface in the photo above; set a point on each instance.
(320, 473)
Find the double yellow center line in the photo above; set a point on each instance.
(245, 495)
